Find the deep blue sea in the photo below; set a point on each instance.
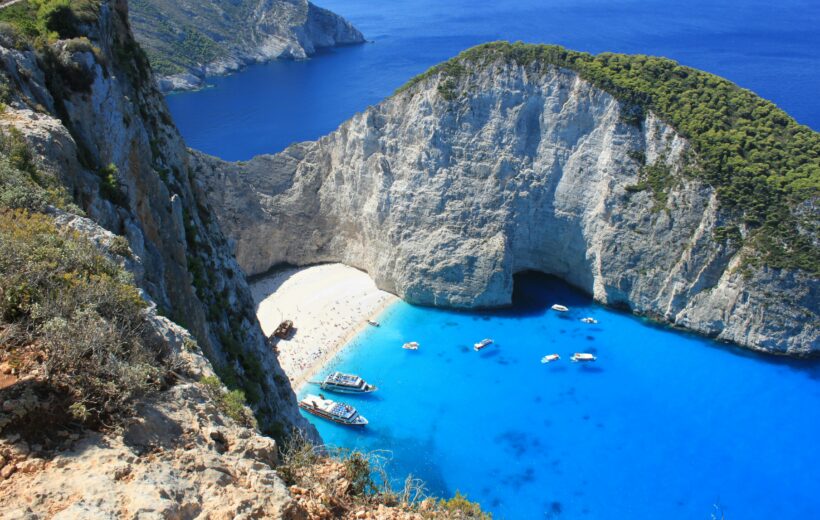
(664, 425)
(770, 47)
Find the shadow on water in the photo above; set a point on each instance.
(534, 293)
(518, 442)
(407, 449)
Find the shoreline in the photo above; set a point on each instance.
(298, 383)
(329, 305)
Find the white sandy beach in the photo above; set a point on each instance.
(328, 305)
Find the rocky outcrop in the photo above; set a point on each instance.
(90, 111)
(181, 457)
(446, 190)
(191, 40)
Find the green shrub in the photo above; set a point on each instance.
(119, 246)
(110, 184)
(297, 455)
(46, 20)
(79, 44)
(59, 294)
(22, 185)
(230, 402)
(459, 507)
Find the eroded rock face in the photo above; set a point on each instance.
(240, 33)
(91, 110)
(443, 198)
(181, 457)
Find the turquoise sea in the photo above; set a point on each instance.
(665, 425)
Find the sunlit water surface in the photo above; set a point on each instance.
(663, 425)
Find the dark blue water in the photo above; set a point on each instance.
(772, 48)
(663, 426)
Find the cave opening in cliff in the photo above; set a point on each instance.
(534, 291)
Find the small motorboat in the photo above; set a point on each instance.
(582, 356)
(482, 344)
(346, 384)
(549, 358)
(374, 323)
(559, 308)
(412, 345)
(589, 319)
(339, 413)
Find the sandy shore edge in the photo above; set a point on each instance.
(308, 374)
(329, 305)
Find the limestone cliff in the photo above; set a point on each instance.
(188, 41)
(447, 189)
(89, 109)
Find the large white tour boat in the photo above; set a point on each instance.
(339, 413)
(346, 384)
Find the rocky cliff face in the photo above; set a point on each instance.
(443, 192)
(190, 40)
(90, 110)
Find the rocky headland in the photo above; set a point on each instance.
(188, 41)
(513, 157)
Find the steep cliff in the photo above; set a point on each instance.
(187, 40)
(498, 162)
(86, 104)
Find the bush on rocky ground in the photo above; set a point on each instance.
(334, 483)
(72, 326)
(73, 331)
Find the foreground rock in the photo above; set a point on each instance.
(182, 458)
(188, 41)
(446, 190)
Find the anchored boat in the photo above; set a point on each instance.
(374, 323)
(412, 345)
(346, 384)
(549, 358)
(581, 356)
(481, 344)
(339, 413)
(559, 308)
(589, 320)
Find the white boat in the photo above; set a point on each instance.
(481, 344)
(559, 308)
(340, 413)
(589, 320)
(582, 356)
(412, 345)
(346, 384)
(374, 323)
(549, 358)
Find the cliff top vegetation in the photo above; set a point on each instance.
(763, 164)
(44, 20)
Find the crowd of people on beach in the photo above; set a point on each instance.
(328, 305)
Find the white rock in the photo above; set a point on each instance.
(442, 202)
